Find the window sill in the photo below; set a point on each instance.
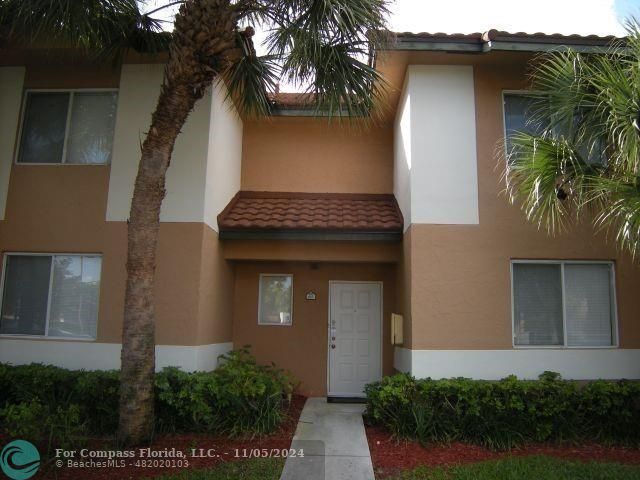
(44, 337)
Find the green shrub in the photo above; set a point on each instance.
(239, 397)
(60, 427)
(46, 403)
(501, 414)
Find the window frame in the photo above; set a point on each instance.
(261, 276)
(615, 337)
(6, 255)
(71, 91)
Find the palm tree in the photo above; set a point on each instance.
(323, 45)
(584, 163)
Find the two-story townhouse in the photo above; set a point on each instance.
(300, 236)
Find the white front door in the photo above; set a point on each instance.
(355, 316)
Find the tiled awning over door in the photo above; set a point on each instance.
(311, 216)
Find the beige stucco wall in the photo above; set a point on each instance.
(60, 209)
(460, 275)
(63, 209)
(316, 155)
(302, 347)
(314, 251)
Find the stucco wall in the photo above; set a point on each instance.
(63, 209)
(139, 88)
(302, 347)
(60, 209)
(316, 155)
(460, 274)
(436, 146)
(402, 151)
(224, 160)
(11, 83)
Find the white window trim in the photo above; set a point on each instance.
(262, 275)
(23, 108)
(6, 255)
(614, 309)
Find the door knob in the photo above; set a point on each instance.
(333, 346)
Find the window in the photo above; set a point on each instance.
(568, 304)
(68, 127)
(276, 300)
(519, 116)
(50, 295)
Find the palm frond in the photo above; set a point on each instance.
(323, 46)
(101, 27)
(620, 212)
(545, 175)
(249, 80)
(587, 159)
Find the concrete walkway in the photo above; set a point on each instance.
(334, 443)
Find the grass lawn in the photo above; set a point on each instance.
(525, 468)
(250, 469)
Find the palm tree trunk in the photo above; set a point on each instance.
(138, 336)
(204, 35)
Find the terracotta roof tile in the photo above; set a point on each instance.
(285, 211)
(500, 34)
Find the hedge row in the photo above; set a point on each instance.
(505, 413)
(43, 402)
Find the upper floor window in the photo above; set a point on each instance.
(521, 114)
(68, 127)
(569, 304)
(50, 295)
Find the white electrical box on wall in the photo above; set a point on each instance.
(396, 329)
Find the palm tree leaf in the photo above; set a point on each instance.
(98, 26)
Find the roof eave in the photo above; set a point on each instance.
(415, 43)
(324, 235)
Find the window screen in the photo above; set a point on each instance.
(544, 307)
(589, 304)
(537, 296)
(50, 136)
(51, 295)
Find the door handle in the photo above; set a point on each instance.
(333, 346)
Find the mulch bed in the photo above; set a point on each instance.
(390, 455)
(225, 451)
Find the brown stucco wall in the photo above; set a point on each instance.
(316, 251)
(403, 288)
(460, 275)
(61, 209)
(302, 347)
(215, 316)
(315, 155)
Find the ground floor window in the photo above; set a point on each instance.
(559, 303)
(50, 295)
(275, 305)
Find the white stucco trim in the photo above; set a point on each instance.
(224, 159)
(574, 363)
(106, 356)
(402, 157)
(435, 164)
(11, 85)
(186, 178)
